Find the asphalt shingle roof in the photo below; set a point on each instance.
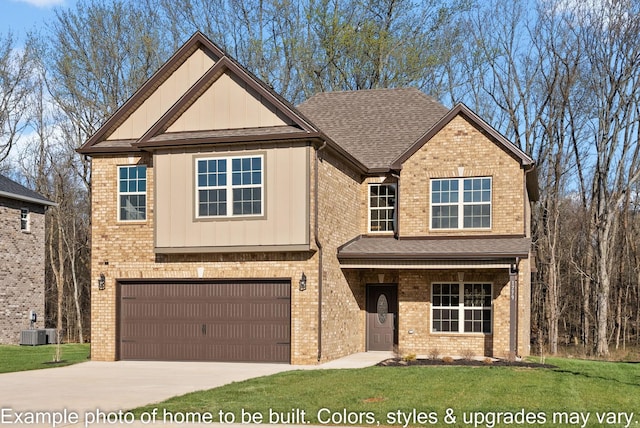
(484, 248)
(375, 126)
(11, 189)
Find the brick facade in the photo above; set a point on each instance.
(329, 318)
(22, 263)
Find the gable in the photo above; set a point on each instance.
(164, 96)
(474, 121)
(196, 98)
(229, 103)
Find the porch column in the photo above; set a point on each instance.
(513, 309)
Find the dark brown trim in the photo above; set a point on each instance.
(279, 102)
(185, 101)
(162, 74)
(208, 140)
(476, 120)
(441, 256)
(458, 237)
(109, 150)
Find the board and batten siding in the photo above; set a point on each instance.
(284, 225)
(164, 97)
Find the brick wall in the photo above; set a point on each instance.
(126, 250)
(343, 312)
(21, 269)
(414, 299)
(460, 150)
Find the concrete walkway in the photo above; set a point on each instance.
(102, 389)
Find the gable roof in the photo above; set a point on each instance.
(375, 130)
(152, 137)
(461, 109)
(374, 125)
(12, 190)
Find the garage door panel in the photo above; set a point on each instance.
(239, 321)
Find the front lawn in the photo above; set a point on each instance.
(15, 358)
(575, 392)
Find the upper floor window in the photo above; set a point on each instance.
(382, 200)
(132, 193)
(24, 219)
(469, 198)
(461, 308)
(230, 186)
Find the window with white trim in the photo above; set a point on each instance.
(132, 193)
(24, 219)
(453, 197)
(382, 201)
(230, 186)
(461, 307)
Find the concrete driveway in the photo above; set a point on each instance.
(105, 388)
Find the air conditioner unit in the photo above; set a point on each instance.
(52, 337)
(33, 337)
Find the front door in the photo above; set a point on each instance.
(382, 317)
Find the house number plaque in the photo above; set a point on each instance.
(383, 308)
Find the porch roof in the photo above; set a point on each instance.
(487, 251)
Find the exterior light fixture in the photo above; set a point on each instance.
(101, 282)
(513, 269)
(303, 282)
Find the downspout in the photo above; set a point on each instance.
(396, 207)
(319, 245)
(513, 308)
(525, 217)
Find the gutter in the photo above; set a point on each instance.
(319, 245)
(527, 171)
(43, 202)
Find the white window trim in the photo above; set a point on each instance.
(460, 307)
(229, 187)
(369, 208)
(120, 220)
(25, 215)
(460, 204)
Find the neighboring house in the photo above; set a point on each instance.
(22, 258)
(229, 225)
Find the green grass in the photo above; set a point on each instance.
(575, 386)
(14, 358)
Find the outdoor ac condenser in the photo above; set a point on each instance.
(33, 337)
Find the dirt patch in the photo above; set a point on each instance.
(399, 362)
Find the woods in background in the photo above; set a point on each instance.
(558, 78)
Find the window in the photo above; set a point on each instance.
(382, 200)
(469, 196)
(229, 187)
(24, 219)
(461, 308)
(132, 192)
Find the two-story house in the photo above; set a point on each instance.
(22, 258)
(229, 225)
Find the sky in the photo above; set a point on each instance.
(22, 16)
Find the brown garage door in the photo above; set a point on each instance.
(205, 321)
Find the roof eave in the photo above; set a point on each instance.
(197, 39)
(441, 256)
(44, 202)
(91, 151)
(460, 108)
(240, 139)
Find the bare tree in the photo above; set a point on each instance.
(15, 86)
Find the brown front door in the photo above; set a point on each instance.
(382, 317)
